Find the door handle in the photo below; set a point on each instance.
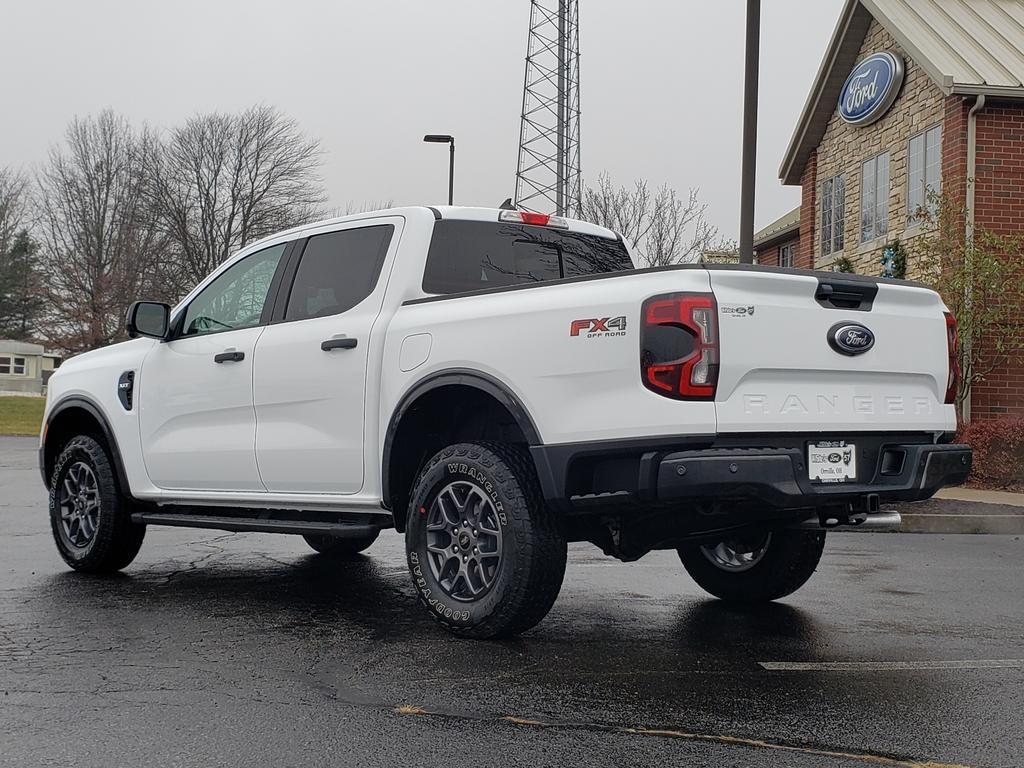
(229, 357)
(343, 343)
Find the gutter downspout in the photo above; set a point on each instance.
(972, 162)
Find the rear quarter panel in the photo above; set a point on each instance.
(578, 388)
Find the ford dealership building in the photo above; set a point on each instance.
(912, 97)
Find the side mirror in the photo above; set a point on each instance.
(148, 318)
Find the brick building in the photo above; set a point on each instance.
(912, 96)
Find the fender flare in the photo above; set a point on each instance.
(94, 410)
(448, 377)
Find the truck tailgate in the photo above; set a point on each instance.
(779, 373)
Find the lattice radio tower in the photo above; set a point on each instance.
(548, 173)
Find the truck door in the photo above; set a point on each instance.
(311, 367)
(196, 416)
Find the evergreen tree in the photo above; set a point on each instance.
(21, 300)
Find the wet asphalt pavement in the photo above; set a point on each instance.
(247, 649)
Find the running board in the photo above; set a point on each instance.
(257, 525)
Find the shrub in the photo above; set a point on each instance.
(842, 264)
(998, 451)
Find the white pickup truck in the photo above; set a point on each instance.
(495, 384)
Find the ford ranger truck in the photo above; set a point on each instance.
(495, 384)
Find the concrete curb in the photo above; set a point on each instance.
(974, 496)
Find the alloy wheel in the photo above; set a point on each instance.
(737, 554)
(79, 503)
(464, 541)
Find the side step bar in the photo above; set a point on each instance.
(257, 525)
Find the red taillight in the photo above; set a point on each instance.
(952, 351)
(679, 345)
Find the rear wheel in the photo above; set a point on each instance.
(486, 555)
(754, 566)
(90, 519)
(330, 545)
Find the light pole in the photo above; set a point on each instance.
(749, 161)
(438, 138)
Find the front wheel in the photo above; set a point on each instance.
(755, 566)
(486, 554)
(90, 519)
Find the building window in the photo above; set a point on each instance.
(15, 365)
(786, 254)
(833, 202)
(874, 198)
(924, 178)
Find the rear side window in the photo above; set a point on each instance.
(470, 255)
(337, 271)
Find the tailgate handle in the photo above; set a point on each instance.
(835, 293)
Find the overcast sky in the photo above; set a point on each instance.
(661, 85)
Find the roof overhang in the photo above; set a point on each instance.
(778, 237)
(840, 56)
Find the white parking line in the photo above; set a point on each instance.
(950, 514)
(871, 666)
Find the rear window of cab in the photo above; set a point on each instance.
(473, 255)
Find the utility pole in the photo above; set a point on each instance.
(749, 163)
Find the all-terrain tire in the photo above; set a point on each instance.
(786, 565)
(528, 575)
(331, 545)
(116, 539)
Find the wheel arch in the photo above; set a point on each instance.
(78, 415)
(413, 429)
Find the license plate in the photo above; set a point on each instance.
(832, 461)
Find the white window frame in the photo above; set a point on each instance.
(874, 213)
(789, 248)
(930, 172)
(833, 236)
(10, 362)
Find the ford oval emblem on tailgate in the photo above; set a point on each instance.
(850, 338)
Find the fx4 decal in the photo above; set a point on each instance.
(599, 327)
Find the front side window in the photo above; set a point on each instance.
(236, 298)
(471, 255)
(337, 271)
(833, 203)
(924, 173)
(874, 198)
(786, 255)
(13, 365)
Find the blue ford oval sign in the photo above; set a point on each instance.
(871, 88)
(850, 338)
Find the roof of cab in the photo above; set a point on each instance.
(449, 212)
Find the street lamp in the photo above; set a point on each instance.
(437, 138)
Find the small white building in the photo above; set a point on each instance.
(25, 368)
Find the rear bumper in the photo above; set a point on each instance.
(736, 473)
(778, 477)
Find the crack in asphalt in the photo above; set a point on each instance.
(761, 744)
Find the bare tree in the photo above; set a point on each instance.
(661, 228)
(980, 280)
(98, 242)
(221, 181)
